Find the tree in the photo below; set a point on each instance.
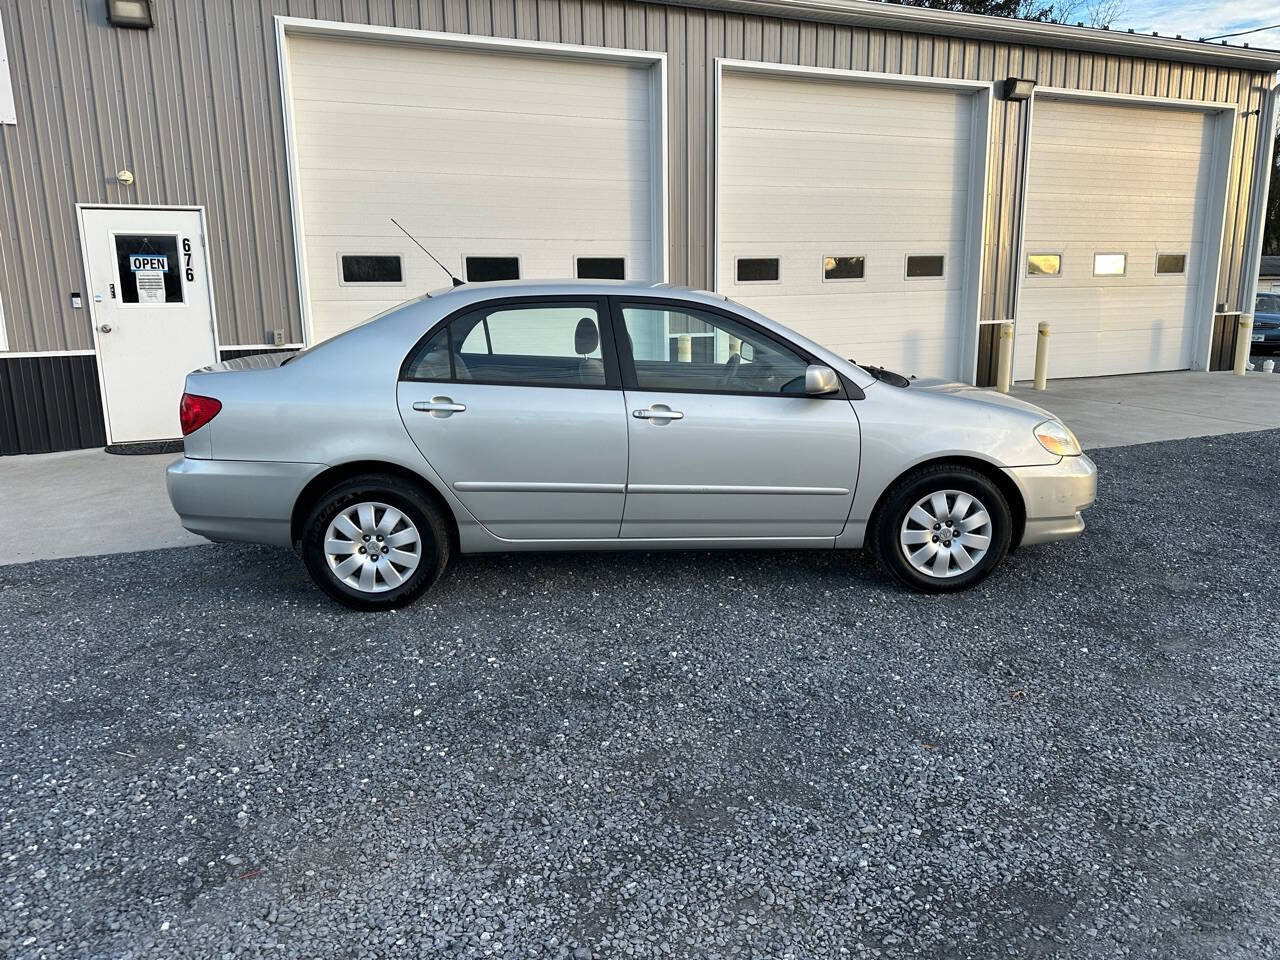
(1271, 232)
(1096, 13)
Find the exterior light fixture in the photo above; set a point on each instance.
(1016, 88)
(125, 178)
(134, 14)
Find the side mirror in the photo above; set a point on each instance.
(819, 380)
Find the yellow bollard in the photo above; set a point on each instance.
(1042, 355)
(1004, 362)
(1244, 340)
(684, 348)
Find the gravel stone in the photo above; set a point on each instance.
(711, 755)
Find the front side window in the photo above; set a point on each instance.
(686, 349)
(149, 268)
(544, 344)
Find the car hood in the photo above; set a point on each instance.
(980, 395)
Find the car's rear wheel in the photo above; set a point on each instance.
(942, 529)
(374, 542)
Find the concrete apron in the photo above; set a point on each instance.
(1149, 407)
(87, 502)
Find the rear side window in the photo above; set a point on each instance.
(542, 344)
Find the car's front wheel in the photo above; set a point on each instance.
(942, 529)
(374, 542)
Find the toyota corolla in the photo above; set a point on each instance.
(608, 416)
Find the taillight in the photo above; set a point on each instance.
(194, 411)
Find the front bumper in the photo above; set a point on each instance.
(238, 499)
(1056, 497)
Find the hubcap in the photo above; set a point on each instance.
(946, 533)
(372, 547)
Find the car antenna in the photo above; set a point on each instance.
(456, 281)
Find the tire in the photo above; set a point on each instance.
(903, 530)
(354, 514)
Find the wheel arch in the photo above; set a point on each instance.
(332, 476)
(1003, 482)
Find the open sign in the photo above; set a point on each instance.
(139, 262)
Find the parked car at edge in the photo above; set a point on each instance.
(603, 416)
(1266, 323)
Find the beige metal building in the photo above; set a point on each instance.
(890, 180)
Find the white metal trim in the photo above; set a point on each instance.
(8, 108)
(979, 171)
(1225, 115)
(928, 22)
(81, 208)
(260, 346)
(20, 354)
(837, 73)
(658, 118)
(1262, 187)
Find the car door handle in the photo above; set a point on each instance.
(657, 413)
(439, 406)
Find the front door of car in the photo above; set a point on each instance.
(517, 406)
(724, 442)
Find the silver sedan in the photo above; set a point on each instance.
(607, 416)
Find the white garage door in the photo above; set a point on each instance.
(843, 214)
(497, 162)
(1117, 201)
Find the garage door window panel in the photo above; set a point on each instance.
(1171, 264)
(692, 351)
(542, 345)
(486, 269)
(1044, 264)
(1109, 264)
(843, 269)
(370, 269)
(600, 268)
(757, 270)
(928, 266)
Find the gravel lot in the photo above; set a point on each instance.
(702, 755)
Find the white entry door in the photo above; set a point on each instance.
(152, 313)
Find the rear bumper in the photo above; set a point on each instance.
(1056, 497)
(238, 499)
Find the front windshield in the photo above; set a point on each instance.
(1267, 303)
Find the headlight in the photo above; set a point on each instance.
(1057, 439)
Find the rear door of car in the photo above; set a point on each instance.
(724, 442)
(517, 404)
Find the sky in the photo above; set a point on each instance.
(1204, 18)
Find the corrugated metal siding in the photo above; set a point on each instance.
(49, 403)
(193, 108)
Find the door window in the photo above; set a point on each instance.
(542, 344)
(685, 349)
(149, 268)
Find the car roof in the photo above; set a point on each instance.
(553, 287)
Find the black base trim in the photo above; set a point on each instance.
(142, 448)
(50, 403)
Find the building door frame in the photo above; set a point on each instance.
(1224, 132)
(203, 254)
(982, 92)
